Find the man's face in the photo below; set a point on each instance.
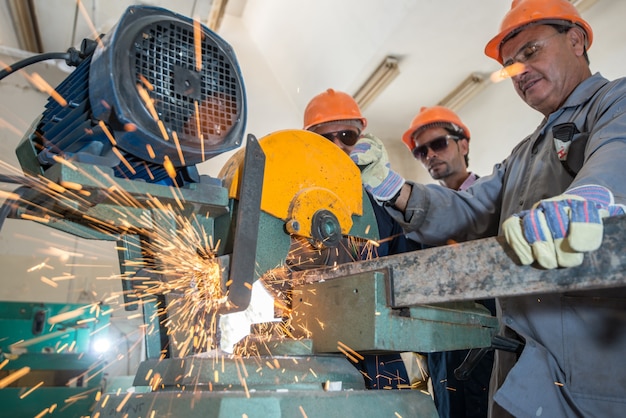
(441, 162)
(341, 134)
(551, 65)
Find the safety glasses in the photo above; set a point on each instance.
(437, 145)
(348, 137)
(531, 50)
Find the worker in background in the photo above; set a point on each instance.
(548, 199)
(440, 141)
(337, 117)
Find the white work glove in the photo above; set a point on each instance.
(377, 176)
(556, 231)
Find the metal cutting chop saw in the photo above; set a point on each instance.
(211, 261)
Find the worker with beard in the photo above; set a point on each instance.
(440, 141)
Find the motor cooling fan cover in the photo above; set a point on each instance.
(191, 77)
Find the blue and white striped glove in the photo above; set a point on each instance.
(557, 231)
(376, 174)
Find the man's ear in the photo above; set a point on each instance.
(576, 37)
(464, 146)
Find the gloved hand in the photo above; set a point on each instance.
(558, 230)
(377, 176)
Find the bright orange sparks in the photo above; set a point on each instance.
(56, 187)
(65, 162)
(180, 151)
(71, 185)
(8, 195)
(65, 316)
(197, 40)
(143, 93)
(121, 405)
(34, 218)
(302, 411)
(95, 33)
(106, 131)
(31, 390)
(145, 82)
(49, 282)
(169, 167)
(163, 130)
(6, 381)
(150, 150)
(43, 86)
(123, 160)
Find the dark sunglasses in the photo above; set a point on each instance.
(437, 145)
(348, 137)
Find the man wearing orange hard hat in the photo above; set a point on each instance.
(336, 116)
(548, 199)
(440, 141)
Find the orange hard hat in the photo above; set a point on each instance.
(436, 116)
(524, 12)
(331, 106)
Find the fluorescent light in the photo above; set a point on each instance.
(464, 92)
(377, 82)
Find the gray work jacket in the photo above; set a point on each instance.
(574, 360)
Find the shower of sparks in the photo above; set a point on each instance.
(178, 261)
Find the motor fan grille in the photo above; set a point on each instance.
(198, 105)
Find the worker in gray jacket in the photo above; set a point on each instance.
(548, 199)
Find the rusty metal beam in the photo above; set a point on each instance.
(487, 268)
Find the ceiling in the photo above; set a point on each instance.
(311, 45)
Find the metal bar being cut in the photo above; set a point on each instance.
(486, 268)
